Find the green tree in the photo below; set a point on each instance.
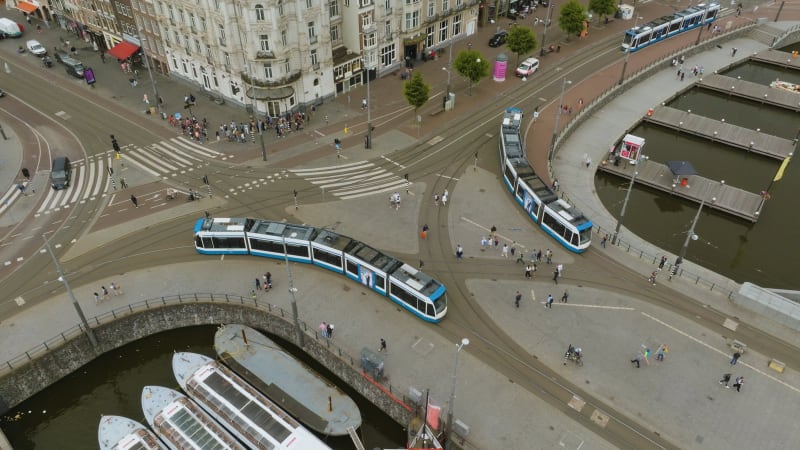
(603, 7)
(521, 40)
(571, 18)
(472, 65)
(416, 91)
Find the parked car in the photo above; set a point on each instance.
(73, 66)
(60, 55)
(498, 39)
(2, 93)
(528, 67)
(36, 48)
(9, 28)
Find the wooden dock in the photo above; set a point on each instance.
(777, 58)
(725, 133)
(722, 197)
(752, 91)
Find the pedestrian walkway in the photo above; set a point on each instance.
(354, 180)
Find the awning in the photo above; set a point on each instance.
(27, 7)
(123, 50)
(259, 93)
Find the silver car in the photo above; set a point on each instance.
(36, 48)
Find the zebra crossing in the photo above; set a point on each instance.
(96, 176)
(355, 180)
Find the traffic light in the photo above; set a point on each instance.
(205, 179)
(115, 144)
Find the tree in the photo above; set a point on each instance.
(416, 91)
(603, 7)
(571, 18)
(472, 65)
(521, 40)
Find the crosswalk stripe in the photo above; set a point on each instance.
(9, 198)
(133, 158)
(353, 180)
(356, 175)
(186, 143)
(96, 177)
(357, 180)
(333, 169)
(367, 193)
(174, 151)
(154, 161)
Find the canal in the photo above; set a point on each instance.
(70, 410)
(762, 253)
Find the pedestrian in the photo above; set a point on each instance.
(560, 269)
(528, 270)
(504, 252)
(323, 329)
(539, 255)
(638, 359)
(484, 241)
(269, 281)
(253, 294)
(96, 298)
(548, 254)
(113, 287)
(424, 233)
(517, 299)
(738, 383)
(549, 303)
(682, 76)
(103, 57)
(588, 161)
(493, 231)
(435, 199)
(565, 297)
(118, 289)
(330, 331)
(733, 51)
(555, 276)
(555, 184)
(726, 378)
(444, 197)
(258, 284)
(105, 292)
(134, 200)
(363, 103)
(735, 358)
(123, 183)
(652, 278)
(662, 262)
(382, 347)
(603, 241)
(660, 353)
(459, 251)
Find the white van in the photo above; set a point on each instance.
(9, 28)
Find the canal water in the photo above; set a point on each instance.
(70, 410)
(763, 253)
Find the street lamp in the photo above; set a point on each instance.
(558, 118)
(625, 203)
(628, 53)
(449, 68)
(87, 329)
(448, 443)
(149, 71)
(368, 142)
(298, 335)
(546, 22)
(690, 235)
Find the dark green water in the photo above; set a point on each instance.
(66, 415)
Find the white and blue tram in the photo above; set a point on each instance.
(410, 288)
(555, 216)
(668, 26)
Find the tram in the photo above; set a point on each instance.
(417, 292)
(568, 226)
(665, 27)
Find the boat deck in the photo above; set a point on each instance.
(722, 132)
(121, 433)
(777, 58)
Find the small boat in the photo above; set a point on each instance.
(121, 433)
(182, 424)
(239, 407)
(295, 387)
(786, 86)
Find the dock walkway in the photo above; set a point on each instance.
(751, 91)
(777, 58)
(725, 133)
(722, 197)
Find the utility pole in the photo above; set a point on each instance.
(298, 335)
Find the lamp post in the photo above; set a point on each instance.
(628, 53)
(449, 68)
(368, 141)
(546, 22)
(690, 235)
(558, 118)
(298, 335)
(625, 203)
(87, 329)
(149, 70)
(448, 444)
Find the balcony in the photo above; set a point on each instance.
(263, 54)
(258, 82)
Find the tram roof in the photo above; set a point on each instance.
(281, 229)
(512, 143)
(225, 224)
(331, 239)
(569, 212)
(512, 118)
(372, 256)
(420, 281)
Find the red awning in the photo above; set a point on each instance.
(26, 7)
(123, 50)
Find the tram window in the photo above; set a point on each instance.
(329, 258)
(403, 295)
(674, 26)
(227, 242)
(574, 239)
(208, 242)
(297, 250)
(509, 174)
(554, 225)
(380, 282)
(352, 268)
(266, 246)
(440, 304)
(198, 241)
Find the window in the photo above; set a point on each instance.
(429, 36)
(221, 32)
(387, 29)
(369, 40)
(412, 20)
(459, 3)
(412, 2)
(333, 7)
(283, 37)
(176, 36)
(445, 5)
(388, 55)
(260, 13)
(364, 3)
(314, 59)
(366, 21)
(268, 70)
(346, 3)
(216, 4)
(388, 5)
(286, 67)
(208, 52)
(309, 3)
(227, 58)
(335, 35)
(457, 24)
(280, 8)
(198, 48)
(264, 38)
(312, 32)
(192, 23)
(431, 9)
(203, 23)
(442, 31)
(171, 14)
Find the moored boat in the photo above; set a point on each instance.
(182, 424)
(295, 387)
(786, 86)
(121, 433)
(247, 413)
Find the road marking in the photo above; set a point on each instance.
(319, 132)
(395, 163)
(445, 176)
(583, 305)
